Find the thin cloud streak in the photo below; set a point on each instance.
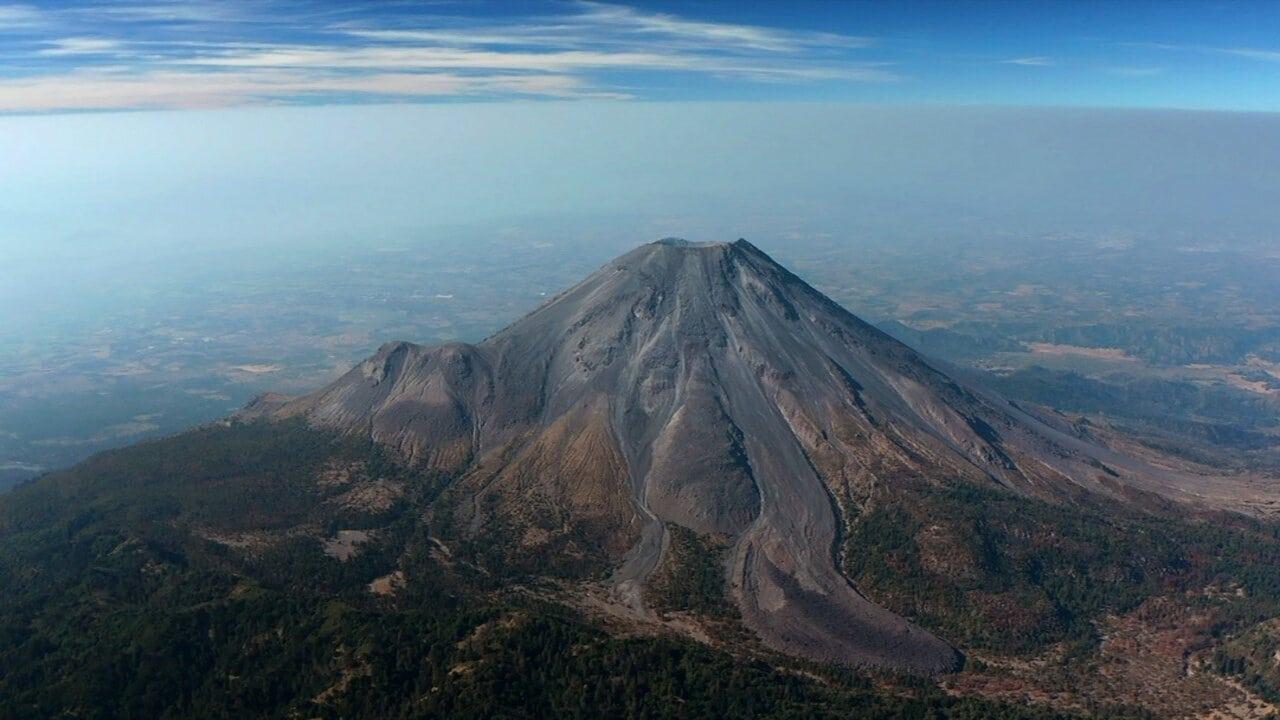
(80, 46)
(600, 25)
(1034, 61)
(1254, 53)
(85, 90)
(722, 34)
(333, 58)
(1251, 53)
(180, 12)
(1136, 71)
(19, 17)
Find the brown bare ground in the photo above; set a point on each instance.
(387, 584)
(345, 544)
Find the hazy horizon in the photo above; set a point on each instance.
(99, 202)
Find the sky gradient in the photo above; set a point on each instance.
(65, 56)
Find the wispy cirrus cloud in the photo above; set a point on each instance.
(671, 27)
(116, 90)
(19, 17)
(602, 25)
(1250, 53)
(197, 54)
(1136, 72)
(1031, 61)
(1253, 53)
(561, 61)
(80, 46)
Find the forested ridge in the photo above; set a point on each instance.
(189, 578)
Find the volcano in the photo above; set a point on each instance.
(703, 386)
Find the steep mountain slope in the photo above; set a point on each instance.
(705, 386)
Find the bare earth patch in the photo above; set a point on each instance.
(387, 584)
(1100, 353)
(1271, 368)
(351, 667)
(257, 368)
(254, 540)
(345, 544)
(376, 496)
(364, 493)
(1260, 387)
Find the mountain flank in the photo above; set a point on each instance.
(704, 386)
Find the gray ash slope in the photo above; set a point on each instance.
(705, 385)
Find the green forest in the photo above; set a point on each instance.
(121, 601)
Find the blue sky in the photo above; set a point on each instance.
(63, 56)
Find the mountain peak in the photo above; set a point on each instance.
(670, 251)
(676, 244)
(679, 242)
(704, 386)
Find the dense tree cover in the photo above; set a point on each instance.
(1230, 412)
(691, 577)
(259, 653)
(1168, 344)
(946, 343)
(131, 591)
(1211, 424)
(1251, 666)
(1159, 344)
(990, 569)
(127, 593)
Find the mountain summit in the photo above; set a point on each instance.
(703, 386)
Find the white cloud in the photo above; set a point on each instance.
(83, 90)
(600, 24)
(151, 64)
(81, 46)
(173, 11)
(1032, 61)
(19, 17)
(466, 37)
(712, 33)
(334, 57)
(1135, 71)
(562, 61)
(1253, 53)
